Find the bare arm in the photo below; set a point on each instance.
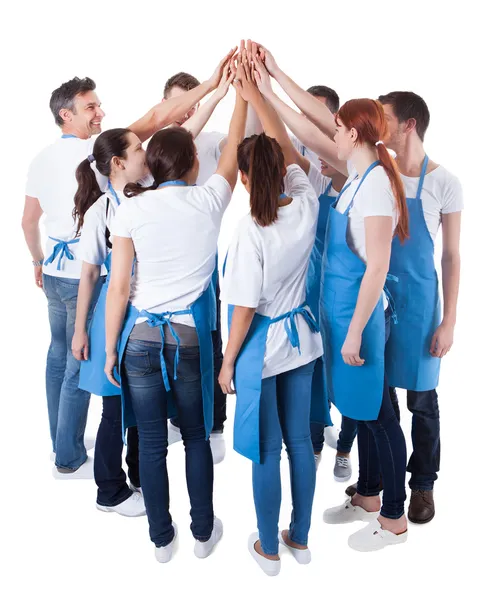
(451, 266)
(228, 165)
(30, 225)
(117, 298)
(240, 324)
(88, 278)
(378, 248)
(317, 112)
(169, 111)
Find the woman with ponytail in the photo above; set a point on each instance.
(370, 211)
(162, 346)
(274, 340)
(119, 156)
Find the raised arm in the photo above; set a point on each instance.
(169, 111)
(228, 164)
(199, 119)
(317, 112)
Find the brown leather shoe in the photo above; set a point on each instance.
(421, 509)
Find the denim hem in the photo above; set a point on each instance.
(344, 449)
(367, 494)
(71, 469)
(127, 495)
(427, 487)
(297, 540)
(266, 551)
(218, 429)
(202, 538)
(386, 516)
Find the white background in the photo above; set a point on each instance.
(55, 543)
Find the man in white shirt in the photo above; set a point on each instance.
(51, 187)
(442, 203)
(330, 98)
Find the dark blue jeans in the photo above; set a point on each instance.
(110, 477)
(67, 404)
(142, 373)
(426, 456)
(382, 449)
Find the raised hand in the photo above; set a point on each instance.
(227, 77)
(262, 77)
(215, 78)
(244, 83)
(267, 58)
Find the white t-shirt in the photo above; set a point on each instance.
(266, 269)
(208, 152)
(320, 182)
(175, 233)
(306, 152)
(93, 243)
(51, 179)
(441, 194)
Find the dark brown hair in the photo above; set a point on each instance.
(184, 81)
(330, 95)
(261, 158)
(110, 143)
(407, 105)
(170, 156)
(367, 117)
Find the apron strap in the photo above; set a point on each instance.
(160, 320)
(113, 192)
(290, 324)
(368, 170)
(62, 249)
(329, 187)
(389, 297)
(422, 177)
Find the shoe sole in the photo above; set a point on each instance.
(342, 479)
(364, 549)
(111, 509)
(420, 521)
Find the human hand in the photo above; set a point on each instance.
(262, 77)
(226, 376)
(215, 78)
(227, 77)
(111, 363)
(351, 349)
(38, 276)
(442, 340)
(79, 345)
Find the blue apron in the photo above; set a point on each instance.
(248, 375)
(356, 391)
(203, 310)
(409, 363)
(92, 377)
(320, 412)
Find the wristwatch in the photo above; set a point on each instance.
(37, 263)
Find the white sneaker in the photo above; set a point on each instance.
(218, 447)
(174, 434)
(270, 567)
(331, 436)
(373, 537)
(318, 460)
(134, 506)
(85, 471)
(303, 557)
(204, 549)
(164, 553)
(348, 513)
(342, 470)
(133, 488)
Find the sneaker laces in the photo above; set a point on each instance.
(342, 461)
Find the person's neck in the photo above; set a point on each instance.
(362, 158)
(69, 130)
(410, 156)
(338, 181)
(119, 181)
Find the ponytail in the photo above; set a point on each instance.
(88, 192)
(389, 165)
(261, 157)
(135, 189)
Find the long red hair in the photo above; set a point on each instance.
(367, 117)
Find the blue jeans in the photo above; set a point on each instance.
(285, 414)
(67, 404)
(317, 436)
(110, 478)
(142, 373)
(426, 456)
(382, 449)
(347, 435)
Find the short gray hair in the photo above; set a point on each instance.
(64, 96)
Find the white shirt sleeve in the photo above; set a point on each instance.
(375, 197)
(318, 181)
(216, 192)
(242, 284)
(121, 223)
(34, 179)
(296, 182)
(93, 244)
(452, 199)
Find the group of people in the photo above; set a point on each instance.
(329, 281)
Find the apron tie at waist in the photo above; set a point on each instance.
(160, 320)
(290, 324)
(62, 249)
(389, 297)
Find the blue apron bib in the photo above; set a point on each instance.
(356, 391)
(248, 375)
(92, 377)
(320, 412)
(409, 364)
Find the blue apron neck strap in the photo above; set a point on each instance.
(329, 187)
(68, 135)
(113, 192)
(303, 150)
(173, 182)
(282, 196)
(368, 170)
(422, 177)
